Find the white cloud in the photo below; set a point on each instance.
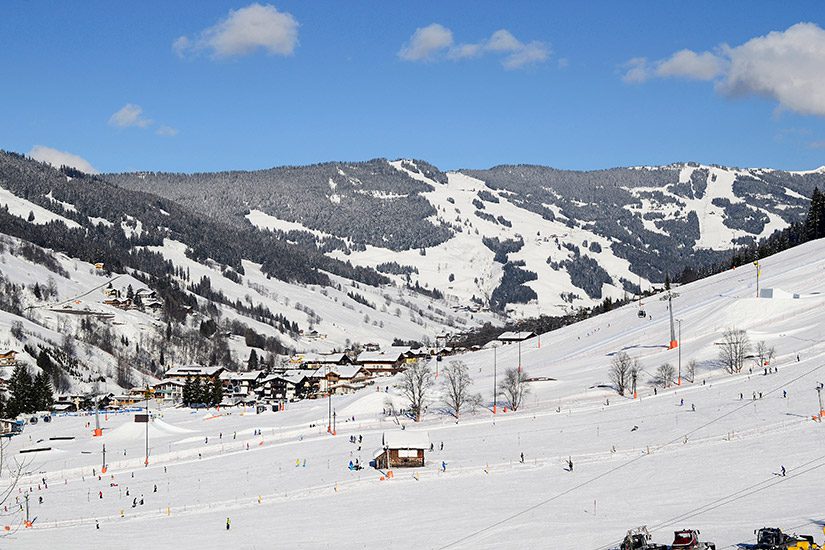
(534, 52)
(689, 64)
(129, 115)
(636, 70)
(426, 42)
(435, 42)
(503, 41)
(785, 66)
(59, 158)
(166, 131)
(244, 31)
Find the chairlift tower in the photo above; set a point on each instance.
(669, 299)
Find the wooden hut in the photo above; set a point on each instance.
(402, 449)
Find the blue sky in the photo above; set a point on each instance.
(214, 85)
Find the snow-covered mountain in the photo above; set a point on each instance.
(520, 239)
(75, 251)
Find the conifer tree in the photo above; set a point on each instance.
(42, 393)
(216, 392)
(20, 392)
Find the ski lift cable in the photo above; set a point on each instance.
(618, 467)
(732, 497)
(727, 500)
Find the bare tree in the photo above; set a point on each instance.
(622, 371)
(764, 354)
(664, 375)
(734, 348)
(456, 387)
(416, 383)
(514, 388)
(691, 371)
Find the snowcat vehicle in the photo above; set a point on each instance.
(639, 539)
(688, 539)
(771, 538)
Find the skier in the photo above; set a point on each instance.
(570, 464)
(40, 500)
(783, 471)
(785, 394)
(100, 495)
(522, 458)
(693, 407)
(431, 447)
(682, 402)
(741, 396)
(443, 466)
(156, 488)
(227, 524)
(97, 525)
(442, 446)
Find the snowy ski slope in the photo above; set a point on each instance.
(714, 468)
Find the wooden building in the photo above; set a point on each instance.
(402, 449)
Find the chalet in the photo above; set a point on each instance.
(8, 358)
(380, 363)
(122, 303)
(169, 390)
(194, 371)
(510, 337)
(344, 378)
(238, 384)
(146, 293)
(285, 386)
(402, 449)
(315, 361)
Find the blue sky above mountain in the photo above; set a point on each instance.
(163, 86)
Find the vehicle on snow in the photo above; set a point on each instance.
(772, 538)
(639, 539)
(688, 539)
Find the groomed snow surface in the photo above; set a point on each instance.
(648, 461)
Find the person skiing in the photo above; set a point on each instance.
(693, 407)
(100, 494)
(431, 447)
(443, 466)
(783, 471)
(156, 488)
(682, 402)
(522, 458)
(570, 464)
(442, 446)
(227, 524)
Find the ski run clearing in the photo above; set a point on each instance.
(652, 460)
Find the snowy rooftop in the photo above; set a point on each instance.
(406, 439)
(379, 357)
(515, 336)
(343, 371)
(193, 370)
(248, 375)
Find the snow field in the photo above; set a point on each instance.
(713, 469)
